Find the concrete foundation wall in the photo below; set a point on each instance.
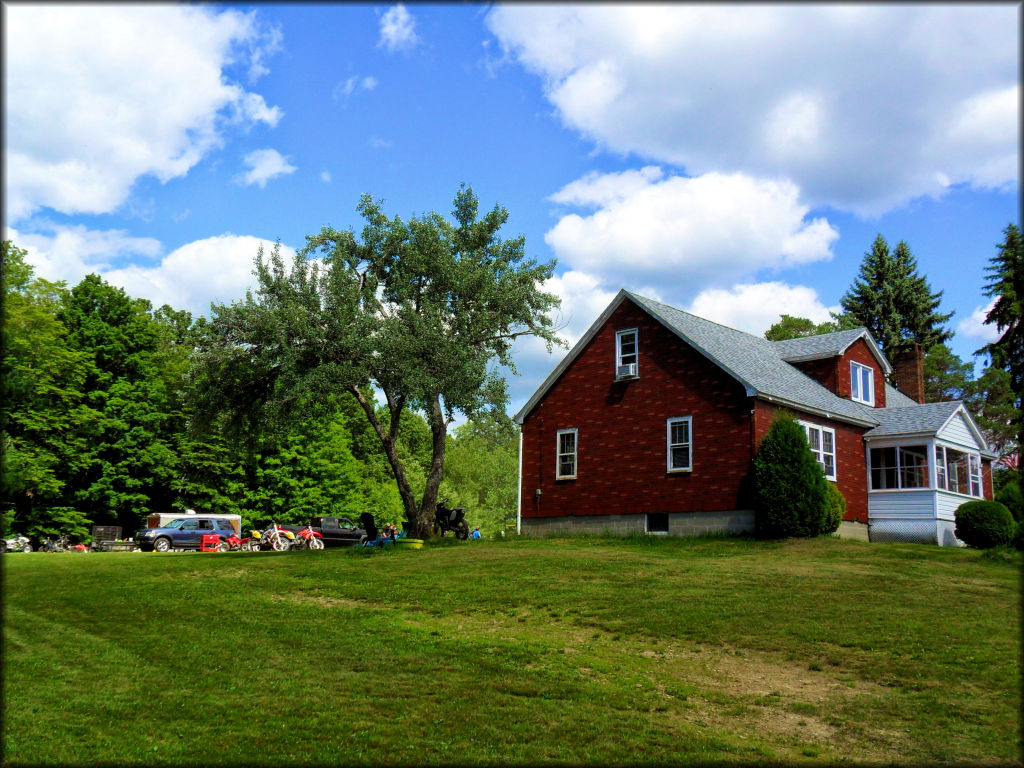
(679, 524)
(851, 530)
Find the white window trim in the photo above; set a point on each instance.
(855, 369)
(618, 349)
(835, 448)
(575, 453)
(945, 465)
(669, 443)
(929, 449)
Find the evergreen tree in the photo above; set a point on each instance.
(789, 484)
(1006, 285)
(893, 302)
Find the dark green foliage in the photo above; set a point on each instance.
(790, 487)
(984, 524)
(790, 327)
(835, 508)
(893, 302)
(481, 472)
(1010, 496)
(1006, 285)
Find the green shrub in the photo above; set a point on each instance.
(1018, 537)
(789, 485)
(835, 508)
(984, 524)
(1012, 498)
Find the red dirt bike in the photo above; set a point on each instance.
(307, 538)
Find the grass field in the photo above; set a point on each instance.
(595, 650)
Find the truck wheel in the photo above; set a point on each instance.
(162, 545)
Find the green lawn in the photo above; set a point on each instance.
(595, 650)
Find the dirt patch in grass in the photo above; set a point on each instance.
(326, 601)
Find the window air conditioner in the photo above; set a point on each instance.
(626, 371)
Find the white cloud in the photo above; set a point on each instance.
(863, 107)
(973, 326)
(682, 231)
(70, 253)
(264, 165)
(348, 86)
(755, 307)
(101, 95)
(325, 177)
(397, 29)
(190, 277)
(215, 269)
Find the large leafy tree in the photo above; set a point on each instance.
(46, 421)
(1006, 285)
(421, 310)
(894, 302)
(481, 472)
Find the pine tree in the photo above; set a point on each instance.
(895, 303)
(1006, 284)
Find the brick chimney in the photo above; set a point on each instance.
(908, 372)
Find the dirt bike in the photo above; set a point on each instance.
(454, 520)
(60, 544)
(277, 539)
(17, 544)
(307, 538)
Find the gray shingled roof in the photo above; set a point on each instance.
(814, 347)
(760, 366)
(755, 362)
(923, 418)
(896, 399)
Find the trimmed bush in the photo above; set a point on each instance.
(789, 485)
(1018, 538)
(835, 509)
(984, 524)
(1011, 497)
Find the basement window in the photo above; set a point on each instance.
(657, 522)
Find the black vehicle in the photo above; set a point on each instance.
(336, 531)
(447, 519)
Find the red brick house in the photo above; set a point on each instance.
(651, 422)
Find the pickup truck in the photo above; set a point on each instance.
(336, 531)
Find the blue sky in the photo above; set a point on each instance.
(734, 161)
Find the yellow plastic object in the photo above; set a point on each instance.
(409, 543)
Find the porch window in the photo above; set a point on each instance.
(822, 442)
(862, 384)
(679, 437)
(626, 366)
(566, 447)
(958, 471)
(905, 466)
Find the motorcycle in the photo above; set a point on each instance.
(277, 539)
(454, 520)
(17, 544)
(60, 544)
(309, 539)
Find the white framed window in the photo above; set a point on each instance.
(679, 438)
(822, 441)
(626, 358)
(904, 466)
(958, 471)
(565, 468)
(862, 384)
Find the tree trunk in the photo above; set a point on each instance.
(438, 432)
(389, 439)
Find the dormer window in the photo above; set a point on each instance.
(626, 354)
(862, 384)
